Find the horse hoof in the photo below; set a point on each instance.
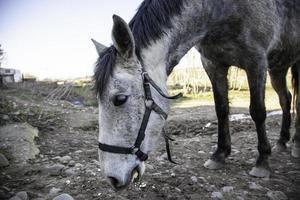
(296, 151)
(259, 172)
(279, 148)
(210, 164)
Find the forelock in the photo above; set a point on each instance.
(104, 69)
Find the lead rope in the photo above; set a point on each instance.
(167, 139)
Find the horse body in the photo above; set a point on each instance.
(226, 31)
(253, 35)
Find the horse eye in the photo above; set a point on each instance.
(119, 99)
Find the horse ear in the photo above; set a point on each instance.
(122, 37)
(99, 47)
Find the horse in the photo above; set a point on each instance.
(130, 76)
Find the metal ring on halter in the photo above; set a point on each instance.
(134, 150)
(144, 75)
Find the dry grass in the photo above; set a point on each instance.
(195, 85)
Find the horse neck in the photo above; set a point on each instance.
(154, 61)
(161, 56)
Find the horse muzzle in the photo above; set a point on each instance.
(118, 183)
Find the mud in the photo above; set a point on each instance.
(72, 148)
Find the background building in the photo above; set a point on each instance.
(8, 75)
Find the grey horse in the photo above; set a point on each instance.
(131, 75)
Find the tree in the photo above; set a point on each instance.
(1, 59)
(1, 55)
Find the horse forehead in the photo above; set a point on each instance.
(126, 75)
(121, 77)
(122, 80)
(128, 63)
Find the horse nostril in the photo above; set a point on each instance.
(114, 181)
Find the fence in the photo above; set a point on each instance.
(194, 80)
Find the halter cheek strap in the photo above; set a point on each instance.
(150, 106)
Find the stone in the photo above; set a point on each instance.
(3, 161)
(15, 198)
(279, 148)
(78, 152)
(5, 117)
(18, 140)
(196, 196)
(70, 172)
(296, 173)
(143, 185)
(202, 179)
(177, 189)
(54, 191)
(71, 163)
(194, 179)
(162, 157)
(235, 151)
(54, 170)
(150, 167)
(255, 186)
(82, 120)
(276, 195)
(63, 196)
(250, 161)
(96, 162)
(78, 165)
(216, 195)
(56, 158)
(65, 159)
(227, 189)
(22, 195)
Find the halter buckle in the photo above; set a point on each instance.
(148, 103)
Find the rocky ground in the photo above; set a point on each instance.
(62, 162)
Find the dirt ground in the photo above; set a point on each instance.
(70, 142)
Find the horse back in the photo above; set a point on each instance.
(269, 27)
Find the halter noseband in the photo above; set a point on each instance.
(150, 106)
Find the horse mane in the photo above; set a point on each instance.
(149, 24)
(152, 19)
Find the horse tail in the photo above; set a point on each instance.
(295, 84)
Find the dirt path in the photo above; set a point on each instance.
(68, 163)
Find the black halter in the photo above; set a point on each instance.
(150, 106)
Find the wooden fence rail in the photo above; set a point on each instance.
(194, 80)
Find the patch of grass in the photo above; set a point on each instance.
(236, 99)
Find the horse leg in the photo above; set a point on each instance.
(278, 80)
(218, 78)
(256, 80)
(296, 137)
